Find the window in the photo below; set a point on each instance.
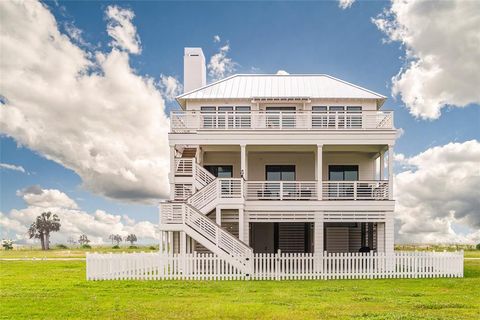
(242, 117)
(283, 117)
(209, 117)
(221, 171)
(343, 173)
(280, 172)
(319, 117)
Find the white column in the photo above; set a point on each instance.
(318, 170)
(241, 225)
(382, 165)
(380, 237)
(172, 172)
(389, 233)
(318, 233)
(183, 243)
(390, 172)
(218, 216)
(243, 161)
(160, 244)
(170, 242)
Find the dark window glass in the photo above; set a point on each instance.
(337, 108)
(280, 172)
(222, 171)
(343, 173)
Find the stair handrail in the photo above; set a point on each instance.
(203, 175)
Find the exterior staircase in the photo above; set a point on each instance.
(190, 217)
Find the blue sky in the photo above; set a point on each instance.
(299, 37)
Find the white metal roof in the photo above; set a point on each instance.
(268, 86)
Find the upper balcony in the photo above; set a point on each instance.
(194, 121)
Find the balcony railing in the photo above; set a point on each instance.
(191, 121)
(281, 190)
(355, 190)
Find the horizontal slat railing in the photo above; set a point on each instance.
(275, 266)
(202, 175)
(184, 166)
(230, 188)
(281, 190)
(355, 190)
(188, 121)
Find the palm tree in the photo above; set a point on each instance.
(44, 224)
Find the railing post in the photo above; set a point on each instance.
(355, 186)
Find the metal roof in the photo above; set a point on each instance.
(269, 86)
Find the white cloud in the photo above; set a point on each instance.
(75, 34)
(12, 167)
(442, 46)
(74, 222)
(88, 111)
(439, 191)
(170, 87)
(220, 64)
(216, 38)
(282, 72)
(345, 4)
(35, 196)
(122, 30)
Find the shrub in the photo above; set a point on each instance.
(116, 247)
(7, 244)
(152, 248)
(478, 246)
(133, 247)
(86, 246)
(61, 246)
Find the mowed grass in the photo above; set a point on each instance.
(58, 290)
(67, 253)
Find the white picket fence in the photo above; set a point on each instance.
(278, 266)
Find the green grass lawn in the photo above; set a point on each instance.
(58, 290)
(67, 253)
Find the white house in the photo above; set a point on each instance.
(279, 176)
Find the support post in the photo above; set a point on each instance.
(170, 243)
(318, 170)
(390, 172)
(243, 161)
(218, 216)
(172, 172)
(241, 225)
(382, 165)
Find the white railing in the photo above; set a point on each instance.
(190, 121)
(184, 166)
(202, 175)
(177, 213)
(204, 196)
(230, 187)
(281, 190)
(182, 191)
(355, 190)
(278, 266)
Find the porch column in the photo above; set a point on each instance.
(170, 242)
(241, 225)
(318, 233)
(389, 237)
(390, 172)
(218, 216)
(172, 172)
(318, 170)
(382, 165)
(243, 161)
(380, 237)
(160, 244)
(183, 243)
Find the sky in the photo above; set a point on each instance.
(86, 89)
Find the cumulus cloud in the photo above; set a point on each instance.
(88, 111)
(442, 45)
(36, 196)
(345, 4)
(220, 64)
(440, 190)
(122, 30)
(282, 72)
(216, 38)
(12, 167)
(170, 87)
(75, 222)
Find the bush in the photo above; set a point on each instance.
(115, 247)
(86, 246)
(478, 246)
(133, 247)
(61, 246)
(152, 248)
